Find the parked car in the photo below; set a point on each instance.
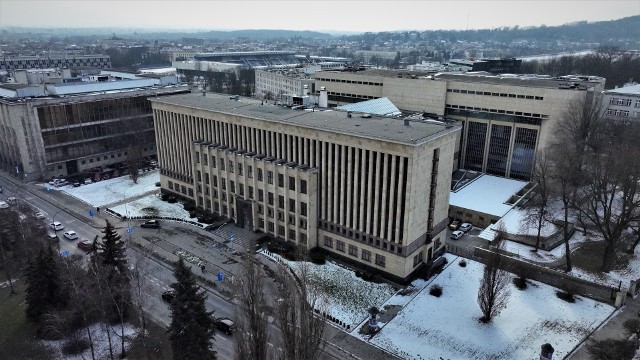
(465, 227)
(225, 325)
(86, 245)
(71, 235)
(3, 205)
(168, 295)
(76, 184)
(456, 235)
(87, 181)
(38, 215)
(56, 226)
(455, 224)
(53, 238)
(12, 200)
(152, 224)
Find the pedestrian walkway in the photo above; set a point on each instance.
(612, 329)
(239, 236)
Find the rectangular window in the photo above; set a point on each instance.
(260, 195)
(280, 216)
(261, 223)
(222, 164)
(250, 192)
(170, 185)
(280, 180)
(240, 189)
(213, 161)
(270, 224)
(191, 192)
(340, 245)
(230, 166)
(292, 205)
(204, 160)
(417, 259)
(380, 260)
(232, 186)
(239, 169)
(281, 230)
(303, 224)
(197, 157)
(270, 177)
(292, 183)
(281, 201)
(353, 250)
(270, 198)
(259, 174)
(303, 186)
(223, 183)
(206, 178)
(292, 235)
(249, 171)
(366, 255)
(199, 175)
(328, 242)
(303, 208)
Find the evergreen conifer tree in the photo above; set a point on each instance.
(43, 285)
(192, 326)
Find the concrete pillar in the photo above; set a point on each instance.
(393, 185)
(348, 191)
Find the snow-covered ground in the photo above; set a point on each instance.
(113, 190)
(152, 205)
(447, 327)
(100, 342)
(525, 251)
(349, 297)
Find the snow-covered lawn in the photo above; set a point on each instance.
(100, 342)
(349, 297)
(114, 190)
(152, 205)
(447, 327)
(525, 251)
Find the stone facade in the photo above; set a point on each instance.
(376, 190)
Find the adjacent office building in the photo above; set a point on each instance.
(505, 118)
(372, 190)
(622, 103)
(56, 130)
(55, 61)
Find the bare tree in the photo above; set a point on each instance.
(536, 209)
(301, 330)
(251, 317)
(610, 197)
(140, 289)
(493, 293)
(134, 162)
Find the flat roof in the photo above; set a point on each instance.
(383, 128)
(627, 90)
(487, 194)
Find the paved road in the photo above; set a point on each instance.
(220, 254)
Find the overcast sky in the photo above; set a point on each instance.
(358, 16)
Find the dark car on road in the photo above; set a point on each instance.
(86, 245)
(225, 325)
(168, 295)
(151, 224)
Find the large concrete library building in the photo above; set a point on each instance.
(371, 190)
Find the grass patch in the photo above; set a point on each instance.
(17, 335)
(589, 256)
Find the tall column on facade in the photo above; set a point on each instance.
(376, 193)
(330, 178)
(324, 175)
(342, 181)
(369, 199)
(348, 191)
(393, 186)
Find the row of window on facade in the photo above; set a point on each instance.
(113, 156)
(239, 169)
(487, 93)
(365, 255)
(614, 112)
(350, 81)
(623, 102)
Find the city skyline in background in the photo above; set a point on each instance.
(336, 16)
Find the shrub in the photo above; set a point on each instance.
(189, 206)
(568, 297)
(192, 214)
(172, 200)
(435, 290)
(75, 346)
(317, 256)
(165, 197)
(520, 282)
(462, 263)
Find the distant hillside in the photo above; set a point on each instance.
(625, 30)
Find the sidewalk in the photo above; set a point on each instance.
(612, 329)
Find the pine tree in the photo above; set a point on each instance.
(192, 326)
(43, 285)
(112, 251)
